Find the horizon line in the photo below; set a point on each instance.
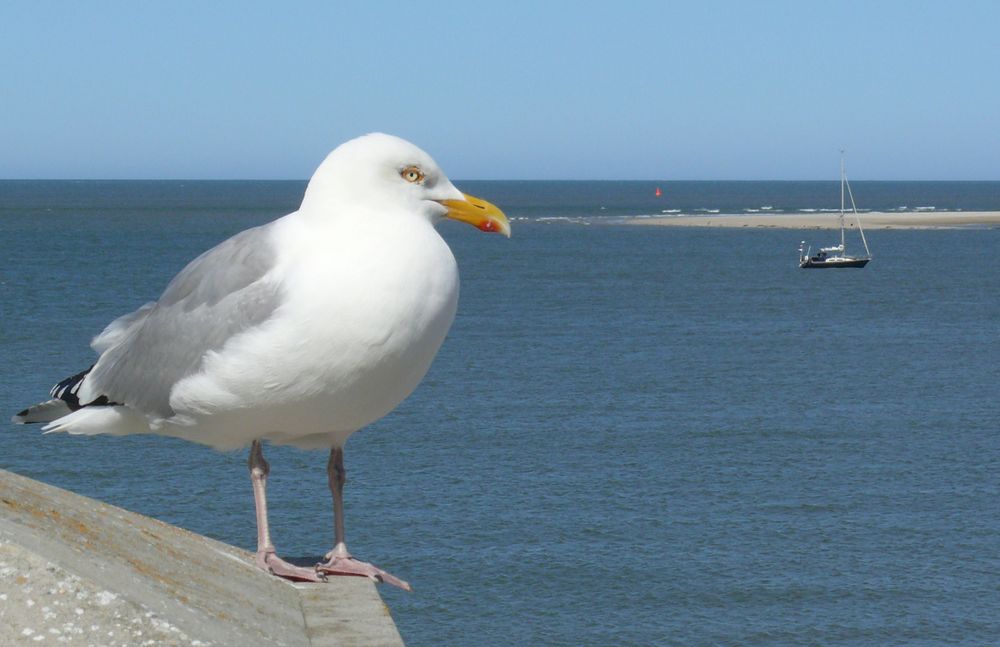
(585, 180)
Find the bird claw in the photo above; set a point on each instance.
(351, 566)
(270, 562)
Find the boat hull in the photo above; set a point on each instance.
(829, 263)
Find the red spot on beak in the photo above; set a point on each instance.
(488, 225)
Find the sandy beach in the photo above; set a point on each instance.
(870, 220)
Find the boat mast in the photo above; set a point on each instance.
(842, 177)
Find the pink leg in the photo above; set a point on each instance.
(339, 561)
(267, 559)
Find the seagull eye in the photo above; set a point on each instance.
(412, 174)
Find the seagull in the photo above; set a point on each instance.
(299, 332)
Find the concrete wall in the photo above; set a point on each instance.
(77, 571)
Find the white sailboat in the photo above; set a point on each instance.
(837, 256)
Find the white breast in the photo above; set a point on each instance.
(363, 316)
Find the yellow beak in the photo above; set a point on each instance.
(478, 213)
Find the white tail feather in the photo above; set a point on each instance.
(90, 421)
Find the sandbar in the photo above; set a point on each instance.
(869, 220)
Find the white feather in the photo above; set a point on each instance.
(89, 421)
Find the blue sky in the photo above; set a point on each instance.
(503, 90)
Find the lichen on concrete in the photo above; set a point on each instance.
(43, 604)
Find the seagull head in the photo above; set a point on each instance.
(383, 173)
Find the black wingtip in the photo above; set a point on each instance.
(22, 414)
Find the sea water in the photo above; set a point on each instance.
(632, 436)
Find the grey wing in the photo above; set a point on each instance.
(220, 294)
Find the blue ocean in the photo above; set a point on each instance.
(632, 436)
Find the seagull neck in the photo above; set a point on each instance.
(368, 217)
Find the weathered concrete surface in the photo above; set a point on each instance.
(77, 571)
